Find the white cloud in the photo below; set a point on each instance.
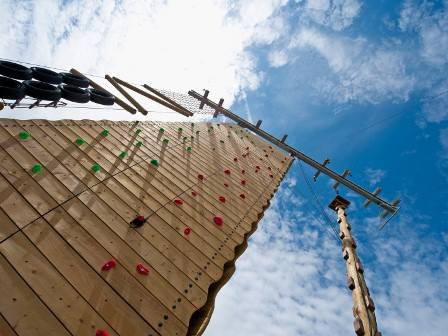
(360, 71)
(176, 44)
(374, 176)
(335, 14)
(277, 58)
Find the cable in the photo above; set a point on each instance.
(320, 208)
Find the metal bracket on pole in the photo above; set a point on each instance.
(296, 153)
(376, 192)
(316, 175)
(344, 175)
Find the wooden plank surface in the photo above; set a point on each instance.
(58, 227)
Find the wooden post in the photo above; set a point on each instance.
(140, 108)
(363, 306)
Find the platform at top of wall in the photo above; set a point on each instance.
(69, 191)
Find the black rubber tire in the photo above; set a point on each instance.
(11, 89)
(71, 79)
(46, 75)
(101, 97)
(75, 94)
(14, 70)
(42, 91)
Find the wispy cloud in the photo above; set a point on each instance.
(374, 176)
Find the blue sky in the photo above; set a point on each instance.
(359, 82)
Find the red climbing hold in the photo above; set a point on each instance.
(227, 172)
(218, 220)
(243, 182)
(266, 155)
(271, 176)
(222, 199)
(244, 155)
(109, 265)
(243, 171)
(257, 167)
(194, 193)
(235, 159)
(178, 202)
(242, 196)
(101, 332)
(201, 177)
(187, 231)
(226, 185)
(247, 148)
(142, 269)
(256, 170)
(138, 221)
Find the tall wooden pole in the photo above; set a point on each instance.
(363, 306)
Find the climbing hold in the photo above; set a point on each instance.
(165, 141)
(226, 185)
(142, 269)
(138, 131)
(139, 143)
(244, 155)
(24, 135)
(192, 137)
(105, 132)
(37, 168)
(256, 170)
(161, 130)
(269, 168)
(266, 155)
(222, 199)
(257, 167)
(235, 159)
(101, 332)
(271, 176)
(243, 172)
(108, 265)
(189, 149)
(247, 148)
(185, 138)
(80, 141)
(187, 231)
(192, 124)
(218, 220)
(221, 141)
(197, 132)
(155, 163)
(96, 168)
(179, 129)
(242, 196)
(243, 182)
(178, 202)
(201, 177)
(138, 221)
(123, 154)
(227, 172)
(194, 193)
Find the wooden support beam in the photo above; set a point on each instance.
(140, 108)
(118, 101)
(201, 105)
(218, 110)
(169, 100)
(258, 124)
(284, 138)
(150, 96)
(363, 307)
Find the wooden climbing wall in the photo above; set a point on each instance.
(69, 191)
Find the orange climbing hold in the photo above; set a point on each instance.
(108, 265)
(178, 202)
(222, 199)
(142, 269)
(218, 220)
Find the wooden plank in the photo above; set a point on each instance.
(155, 283)
(5, 328)
(132, 287)
(7, 226)
(21, 307)
(112, 307)
(52, 288)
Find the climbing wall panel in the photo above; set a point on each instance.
(125, 228)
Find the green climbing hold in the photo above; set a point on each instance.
(165, 141)
(161, 130)
(96, 168)
(37, 168)
(222, 141)
(197, 132)
(105, 132)
(192, 124)
(189, 149)
(139, 143)
(179, 129)
(155, 163)
(138, 131)
(185, 138)
(80, 141)
(192, 137)
(123, 154)
(24, 135)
